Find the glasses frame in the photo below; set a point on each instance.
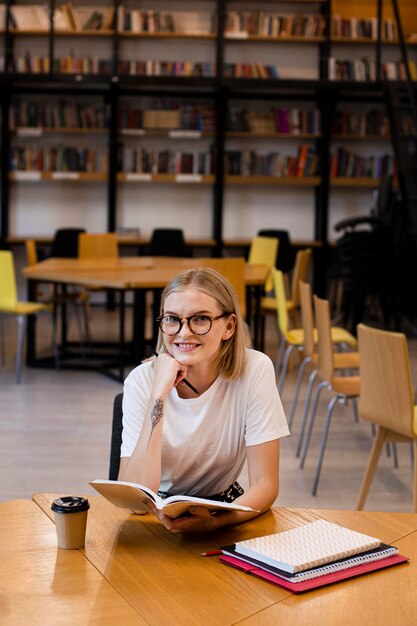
(188, 319)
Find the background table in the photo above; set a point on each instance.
(137, 274)
(162, 576)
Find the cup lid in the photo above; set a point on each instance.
(70, 504)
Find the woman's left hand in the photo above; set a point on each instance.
(199, 520)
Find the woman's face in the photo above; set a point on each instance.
(189, 348)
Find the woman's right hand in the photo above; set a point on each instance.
(168, 373)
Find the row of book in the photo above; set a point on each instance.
(348, 164)
(292, 121)
(67, 17)
(249, 70)
(373, 122)
(62, 114)
(265, 24)
(142, 161)
(174, 115)
(365, 70)
(362, 28)
(251, 163)
(59, 158)
(70, 64)
(137, 21)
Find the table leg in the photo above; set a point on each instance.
(31, 327)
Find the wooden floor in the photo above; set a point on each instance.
(55, 436)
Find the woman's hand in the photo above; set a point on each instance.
(199, 520)
(168, 373)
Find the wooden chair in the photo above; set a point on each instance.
(116, 437)
(386, 398)
(97, 245)
(9, 304)
(344, 387)
(341, 360)
(234, 270)
(56, 297)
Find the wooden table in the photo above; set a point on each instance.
(122, 274)
(163, 578)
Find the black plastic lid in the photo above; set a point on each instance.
(70, 504)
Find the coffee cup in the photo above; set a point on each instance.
(70, 513)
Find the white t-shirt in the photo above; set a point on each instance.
(204, 439)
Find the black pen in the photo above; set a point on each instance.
(184, 380)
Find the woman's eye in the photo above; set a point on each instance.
(200, 319)
(171, 319)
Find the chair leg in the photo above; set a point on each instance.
(301, 369)
(284, 368)
(279, 355)
(414, 449)
(19, 352)
(319, 389)
(2, 357)
(330, 408)
(309, 392)
(355, 409)
(372, 463)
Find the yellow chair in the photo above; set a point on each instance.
(344, 387)
(386, 398)
(97, 245)
(9, 304)
(263, 251)
(301, 272)
(234, 270)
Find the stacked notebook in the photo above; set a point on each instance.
(310, 556)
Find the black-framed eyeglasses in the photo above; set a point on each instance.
(198, 324)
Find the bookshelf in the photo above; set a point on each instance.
(211, 114)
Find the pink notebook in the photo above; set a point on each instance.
(313, 583)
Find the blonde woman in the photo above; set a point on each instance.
(193, 437)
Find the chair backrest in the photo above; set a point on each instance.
(301, 270)
(65, 243)
(263, 251)
(325, 365)
(234, 270)
(285, 257)
(8, 289)
(97, 245)
(31, 252)
(167, 242)
(307, 318)
(281, 302)
(116, 437)
(386, 396)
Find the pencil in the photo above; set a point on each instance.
(184, 380)
(211, 553)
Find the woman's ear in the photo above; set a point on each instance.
(230, 327)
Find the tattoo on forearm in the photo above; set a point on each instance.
(156, 416)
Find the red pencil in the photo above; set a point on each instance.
(211, 553)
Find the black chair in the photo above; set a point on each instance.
(116, 437)
(65, 243)
(366, 259)
(167, 242)
(286, 253)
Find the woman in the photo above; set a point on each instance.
(177, 440)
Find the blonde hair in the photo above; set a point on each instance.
(232, 353)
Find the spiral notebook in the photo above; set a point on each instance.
(319, 581)
(305, 547)
(382, 552)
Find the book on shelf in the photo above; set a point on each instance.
(132, 496)
(30, 17)
(305, 547)
(266, 24)
(363, 28)
(372, 123)
(197, 23)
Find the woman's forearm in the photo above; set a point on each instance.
(144, 466)
(259, 497)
